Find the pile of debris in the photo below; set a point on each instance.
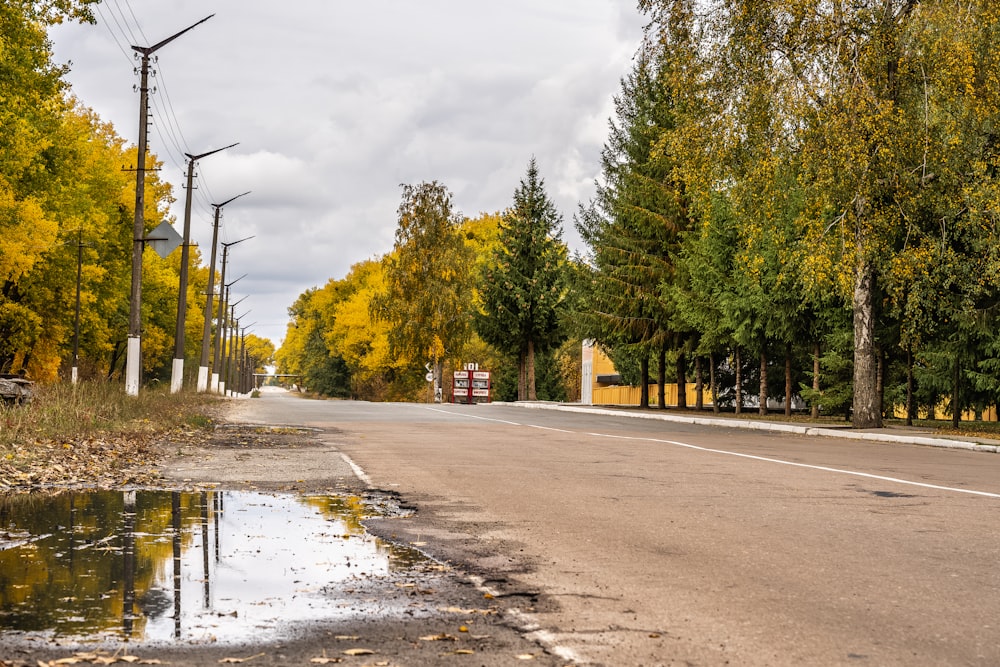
(15, 388)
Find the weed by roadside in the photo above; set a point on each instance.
(92, 433)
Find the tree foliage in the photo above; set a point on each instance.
(523, 289)
(65, 202)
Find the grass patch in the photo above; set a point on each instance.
(91, 409)
(93, 434)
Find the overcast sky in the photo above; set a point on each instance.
(335, 104)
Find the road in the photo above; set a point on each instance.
(637, 542)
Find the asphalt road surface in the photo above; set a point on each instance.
(637, 542)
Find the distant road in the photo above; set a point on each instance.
(636, 542)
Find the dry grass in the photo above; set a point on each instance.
(92, 433)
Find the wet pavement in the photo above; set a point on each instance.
(171, 566)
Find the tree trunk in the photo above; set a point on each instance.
(956, 397)
(661, 378)
(438, 380)
(762, 409)
(816, 385)
(529, 371)
(699, 385)
(713, 387)
(788, 380)
(909, 387)
(880, 384)
(739, 381)
(682, 381)
(522, 383)
(866, 412)
(644, 380)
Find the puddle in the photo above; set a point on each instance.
(162, 566)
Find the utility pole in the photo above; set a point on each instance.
(177, 370)
(232, 384)
(206, 337)
(76, 320)
(244, 360)
(133, 353)
(222, 311)
(227, 340)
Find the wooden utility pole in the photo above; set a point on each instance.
(133, 352)
(206, 336)
(177, 370)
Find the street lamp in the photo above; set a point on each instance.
(177, 370)
(133, 352)
(222, 312)
(206, 337)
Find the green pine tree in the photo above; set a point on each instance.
(523, 288)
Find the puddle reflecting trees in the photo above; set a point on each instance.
(191, 566)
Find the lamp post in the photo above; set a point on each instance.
(133, 353)
(74, 373)
(244, 360)
(232, 376)
(206, 337)
(226, 338)
(222, 312)
(177, 370)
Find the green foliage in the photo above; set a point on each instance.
(523, 287)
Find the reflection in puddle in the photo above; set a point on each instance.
(167, 566)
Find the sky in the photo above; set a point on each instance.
(335, 104)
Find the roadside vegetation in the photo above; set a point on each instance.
(798, 201)
(94, 433)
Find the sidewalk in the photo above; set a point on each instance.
(910, 435)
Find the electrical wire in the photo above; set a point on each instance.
(174, 145)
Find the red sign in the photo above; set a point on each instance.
(471, 386)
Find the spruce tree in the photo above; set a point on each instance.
(632, 224)
(523, 287)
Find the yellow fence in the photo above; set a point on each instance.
(619, 395)
(989, 414)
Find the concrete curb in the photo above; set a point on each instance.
(766, 426)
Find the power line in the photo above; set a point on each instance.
(107, 26)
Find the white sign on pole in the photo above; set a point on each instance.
(429, 377)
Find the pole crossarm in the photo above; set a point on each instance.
(148, 50)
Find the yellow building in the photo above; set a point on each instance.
(601, 384)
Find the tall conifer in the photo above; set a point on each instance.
(524, 286)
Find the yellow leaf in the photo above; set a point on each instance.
(359, 651)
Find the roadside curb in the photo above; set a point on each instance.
(766, 426)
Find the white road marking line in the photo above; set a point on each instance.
(361, 474)
(549, 428)
(753, 457)
(485, 419)
(839, 471)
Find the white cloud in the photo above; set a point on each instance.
(336, 104)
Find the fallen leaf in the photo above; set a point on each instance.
(439, 638)
(239, 660)
(526, 656)
(463, 628)
(325, 660)
(359, 651)
(347, 638)
(461, 651)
